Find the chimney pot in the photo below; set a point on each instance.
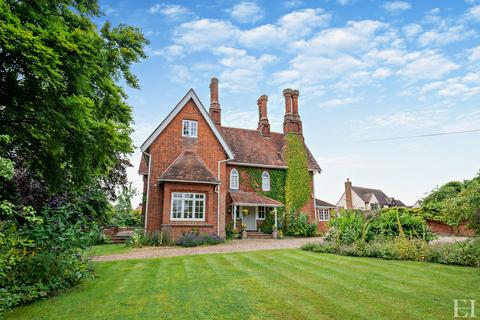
(263, 123)
(291, 122)
(348, 194)
(215, 111)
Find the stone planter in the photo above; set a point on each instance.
(244, 234)
(275, 233)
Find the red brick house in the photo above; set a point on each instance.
(193, 167)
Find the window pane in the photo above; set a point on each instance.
(193, 129)
(199, 209)
(186, 127)
(177, 209)
(188, 209)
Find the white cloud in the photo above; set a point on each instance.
(464, 87)
(241, 71)
(474, 13)
(288, 28)
(337, 102)
(205, 34)
(246, 12)
(474, 54)
(381, 73)
(170, 11)
(429, 65)
(171, 52)
(444, 35)
(180, 74)
(292, 3)
(396, 6)
(411, 30)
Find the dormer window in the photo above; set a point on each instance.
(234, 181)
(265, 181)
(190, 129)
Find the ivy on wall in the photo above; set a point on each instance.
(253, 177)
(297, 182)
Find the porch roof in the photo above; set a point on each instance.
(251, 199)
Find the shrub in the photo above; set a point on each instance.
(194, 239)
(466, 253)
(155, 238)
(268, 224)
(298, 226)
(43, 256)
(347, 227)
(352, 226)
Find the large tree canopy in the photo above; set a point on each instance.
(61, 103)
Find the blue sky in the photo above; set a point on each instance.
(365, 70)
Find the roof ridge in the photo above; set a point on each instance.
(254, 130)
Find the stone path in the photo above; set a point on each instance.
(232, 246)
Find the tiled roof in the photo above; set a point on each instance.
(251, 198)
(188, 167)
(321, 203)
(366, 194)
(250, 147)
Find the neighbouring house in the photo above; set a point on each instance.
(195, 170)
(367, 199)
(417, 204)
(325, 212)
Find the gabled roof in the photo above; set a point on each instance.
(188, 167)
(366, 195)
(190, 95)
(251, 148)
(321, 203)
(252, 199)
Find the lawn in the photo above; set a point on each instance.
(281, 284)
(108, 249)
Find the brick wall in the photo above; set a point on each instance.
(444, 229)
(166, 148)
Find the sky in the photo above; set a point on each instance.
(365, 70)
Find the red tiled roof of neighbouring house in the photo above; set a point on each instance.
(252, 198)
(250, 147)
(188, 167)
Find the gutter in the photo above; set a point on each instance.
(218, 195)
(148, 190)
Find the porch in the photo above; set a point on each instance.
(251, 209)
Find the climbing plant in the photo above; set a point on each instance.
(253, 177)
(297, 182)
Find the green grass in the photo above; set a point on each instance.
(281, 284)
(108, 249)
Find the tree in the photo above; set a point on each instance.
(61, 102)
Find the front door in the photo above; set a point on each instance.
(250, 220)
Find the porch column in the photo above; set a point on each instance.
(275, 210)
(234, 217)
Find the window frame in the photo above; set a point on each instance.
(237, 177)
(324, 214)
(266, 179)
(264, 213)
(190, 132)
(194, 199)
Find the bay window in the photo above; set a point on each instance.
(188, 206)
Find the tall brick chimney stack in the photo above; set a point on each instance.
(348, 194)
(291, 122)
(263, 123)
(215, 111)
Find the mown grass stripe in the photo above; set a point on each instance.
(364, 286)
(304, 296)
(399, 275)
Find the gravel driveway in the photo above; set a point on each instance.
(232, 246)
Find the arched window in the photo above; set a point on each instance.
(265, 181)
(234, 179)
